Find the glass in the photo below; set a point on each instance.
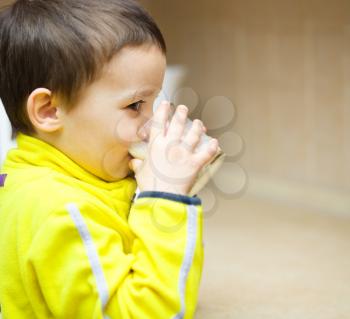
(139, 150)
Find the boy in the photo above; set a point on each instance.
(78, 81)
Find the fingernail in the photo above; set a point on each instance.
(182, 108)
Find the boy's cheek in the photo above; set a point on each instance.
(127, 132)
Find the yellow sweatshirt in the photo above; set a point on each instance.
(73, 246)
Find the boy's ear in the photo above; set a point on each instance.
(42, 111)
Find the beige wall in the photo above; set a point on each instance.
(285, 65)
(4, 3)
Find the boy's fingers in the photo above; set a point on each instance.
(159, 122)
(194, 134)
(177, 124)
(135, 165)
(207, 153)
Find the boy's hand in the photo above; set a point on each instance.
(171, 164)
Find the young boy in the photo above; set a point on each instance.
(78, 80)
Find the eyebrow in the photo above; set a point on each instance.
(138, 93)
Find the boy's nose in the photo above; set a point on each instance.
(145, 130)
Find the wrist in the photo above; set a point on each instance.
(168, 188)
(186, 199)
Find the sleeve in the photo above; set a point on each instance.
(83, 270)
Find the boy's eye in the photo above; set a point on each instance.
(136, 106)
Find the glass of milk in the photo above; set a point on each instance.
(139, 150)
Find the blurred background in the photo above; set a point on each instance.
(271, 80)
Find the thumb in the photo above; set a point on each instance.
(135, 164)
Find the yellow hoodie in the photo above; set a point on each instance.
(73, 246)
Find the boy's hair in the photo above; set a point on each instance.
(62, 45)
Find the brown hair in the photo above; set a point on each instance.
(62, 45)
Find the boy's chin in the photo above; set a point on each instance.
(124, 174)
(123, 170)
(118, 175)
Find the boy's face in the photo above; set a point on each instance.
(107, 119)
